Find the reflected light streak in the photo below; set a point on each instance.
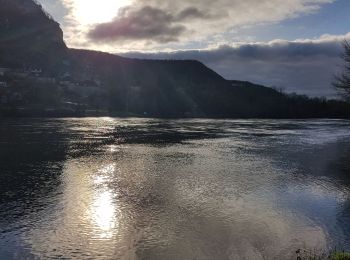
(104, 214)
(109, 169)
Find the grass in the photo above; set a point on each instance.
(340, 256)
(332, 255)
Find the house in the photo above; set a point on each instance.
(46, 80)
(3, 71)
(19, 74)
(89, 83)
(66, 75)
(66, 79)
(3, 84)
(35, 72)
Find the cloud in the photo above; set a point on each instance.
(166, 24)
(192, 12)
(304, 66)
(147, 23)
(162, 21)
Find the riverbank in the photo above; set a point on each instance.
(33, 112)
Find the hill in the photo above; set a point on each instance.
(29, 36)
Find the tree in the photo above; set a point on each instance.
(342, 82)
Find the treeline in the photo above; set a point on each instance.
(166, 97)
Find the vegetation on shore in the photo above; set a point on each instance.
(340, 256)
(342, 82)
(331, 255)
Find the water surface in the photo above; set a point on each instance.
(109, 188)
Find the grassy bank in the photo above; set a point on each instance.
(332, 255)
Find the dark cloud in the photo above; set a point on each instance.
(146, 23)
(305, 67)
(191, 13)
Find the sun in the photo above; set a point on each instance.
(96, 11)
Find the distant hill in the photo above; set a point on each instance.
(82, 82)
(158, 88)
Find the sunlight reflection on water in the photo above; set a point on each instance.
(103, 214)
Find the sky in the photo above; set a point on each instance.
(294, 45)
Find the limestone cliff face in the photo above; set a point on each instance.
(29, 36)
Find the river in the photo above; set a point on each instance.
(112, 188)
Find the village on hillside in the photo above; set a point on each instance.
(31, 88)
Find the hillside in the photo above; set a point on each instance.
(42, 77)
(158, 88)
(29, 36)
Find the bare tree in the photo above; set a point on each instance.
(342, 82)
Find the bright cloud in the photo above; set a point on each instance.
(94, 11)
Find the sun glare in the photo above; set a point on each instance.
(97, 11)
